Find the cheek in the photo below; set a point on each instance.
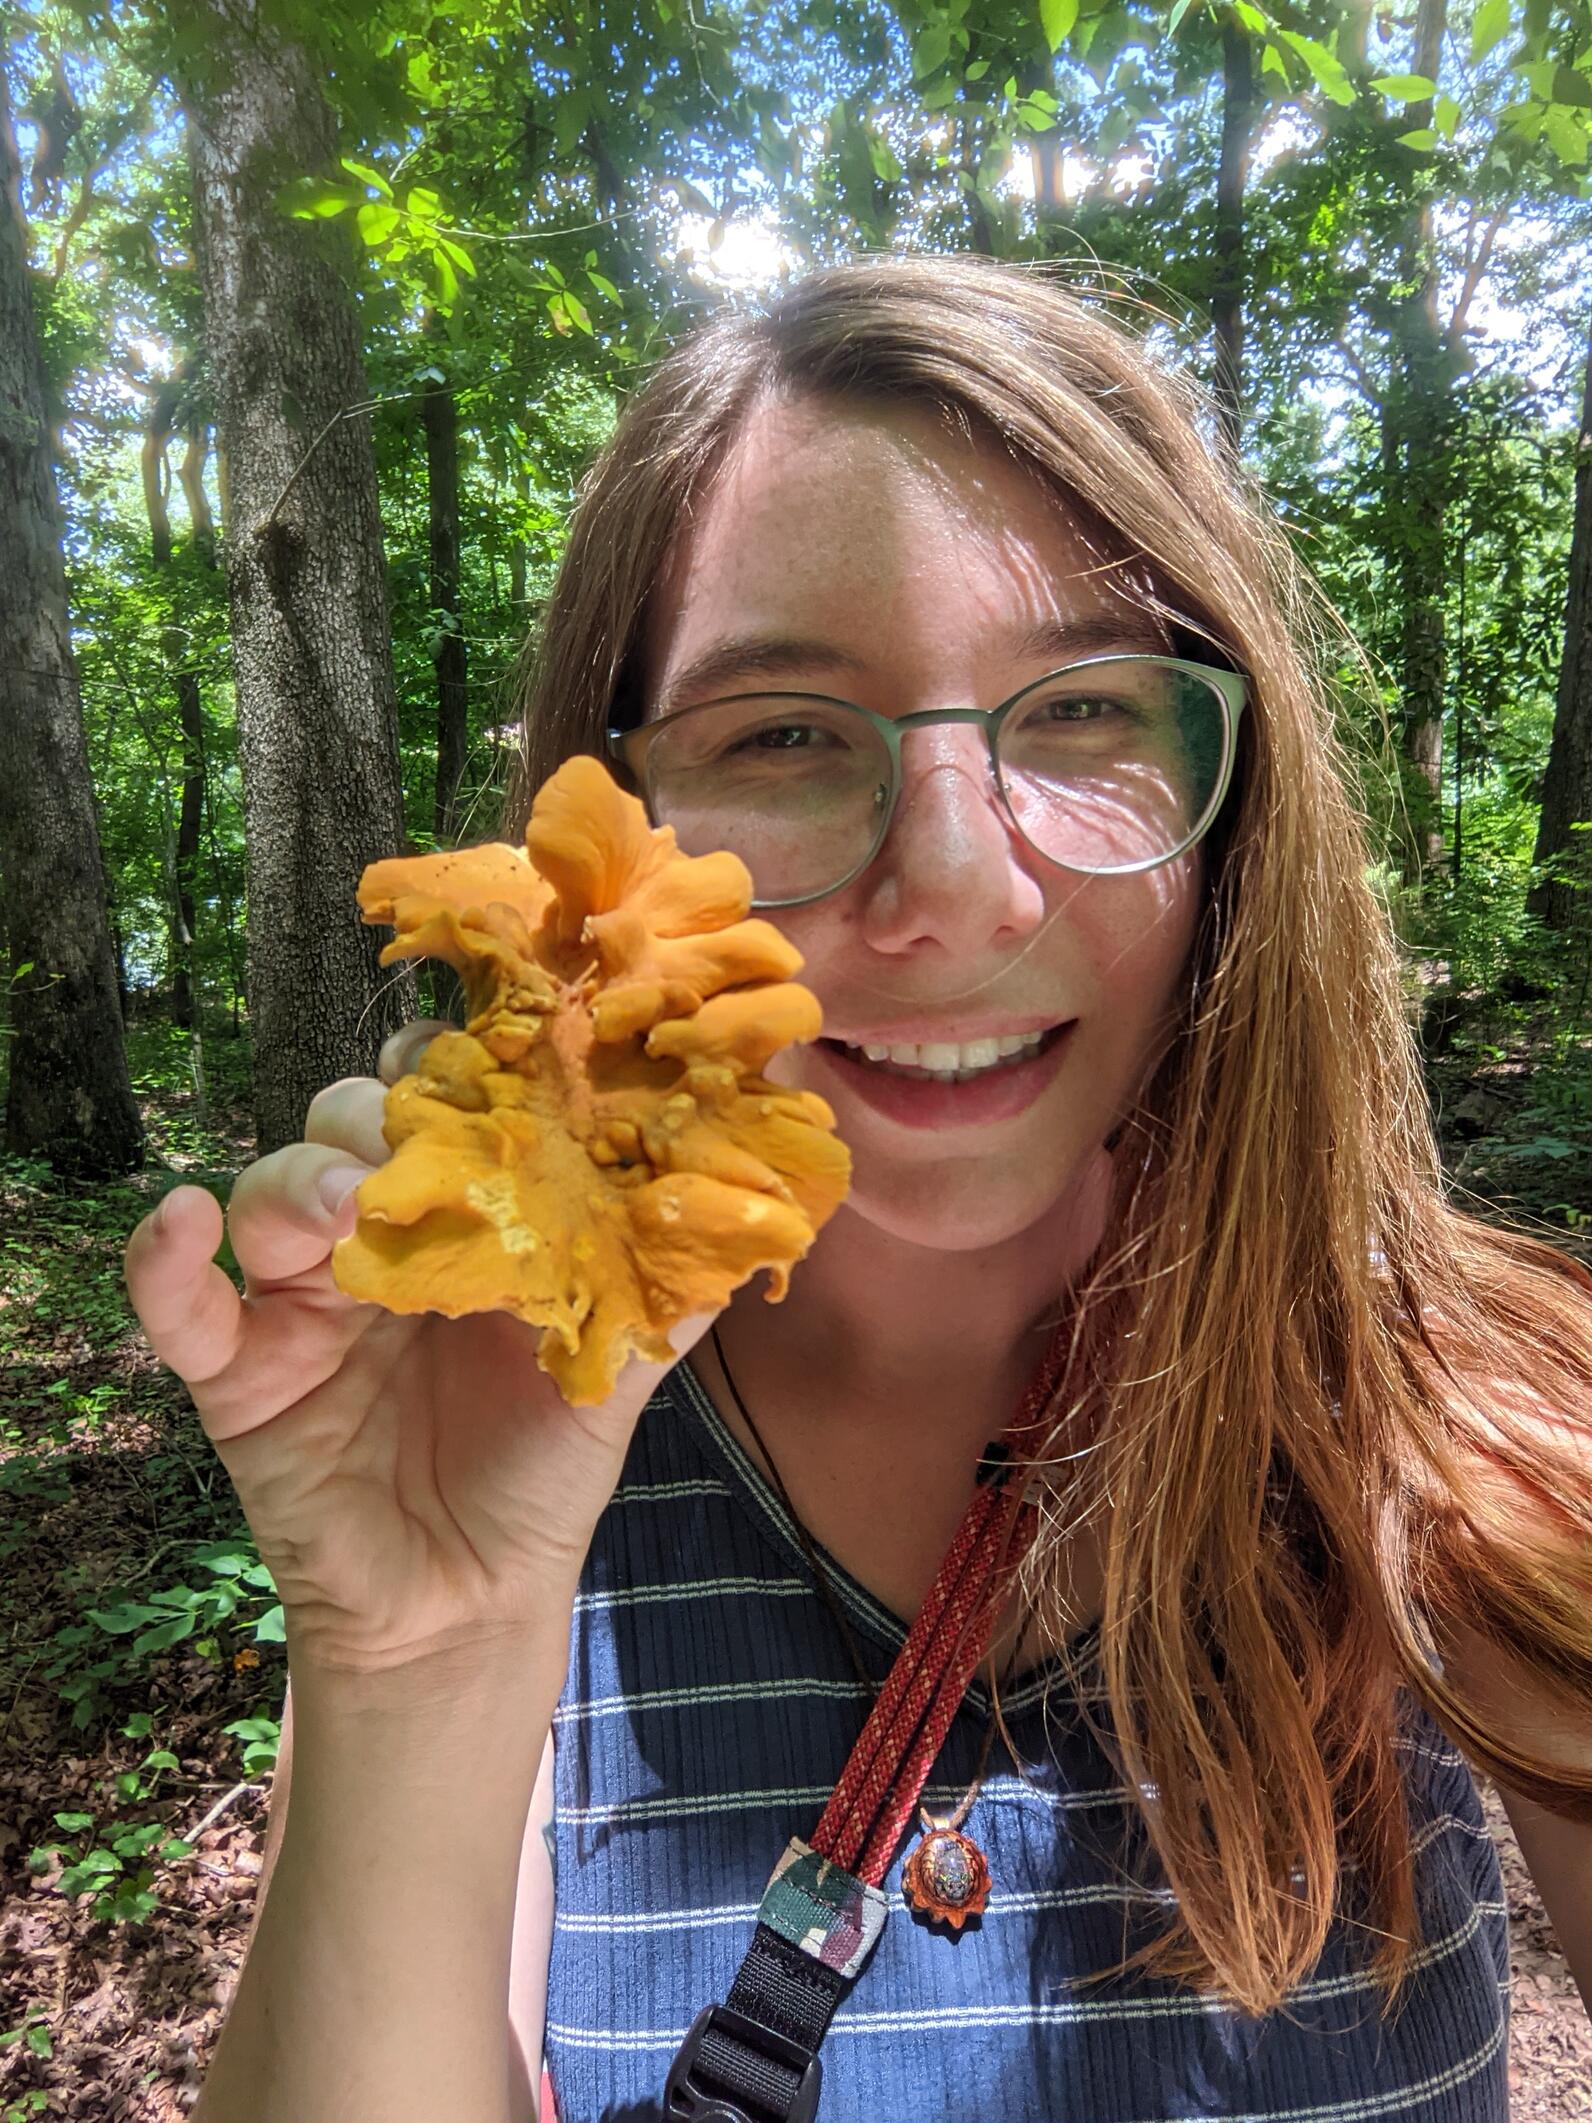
(1135, 940)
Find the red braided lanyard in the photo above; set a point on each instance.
(886, 1771)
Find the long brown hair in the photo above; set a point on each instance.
(1295, 1365)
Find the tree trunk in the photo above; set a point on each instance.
(190, 707)
(440, 411)
(195, 778)
(1228, 291)
(317, 713)
(1562, 898)
(70, 1098)
(517, 554)
(1422, 409)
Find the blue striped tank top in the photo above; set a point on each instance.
(709, 1706)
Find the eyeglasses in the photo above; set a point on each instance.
(1108, 766)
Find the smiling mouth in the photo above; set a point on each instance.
(944, 1064)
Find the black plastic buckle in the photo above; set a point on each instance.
(684, 2096)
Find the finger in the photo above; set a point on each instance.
(347, 1116)
(402, 1050)
(189, 1308)
(289, 1208)
(639, 1379)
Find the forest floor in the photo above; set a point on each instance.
(141, 1675)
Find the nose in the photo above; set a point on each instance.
(953, 871)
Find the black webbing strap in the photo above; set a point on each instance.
(754, 2059)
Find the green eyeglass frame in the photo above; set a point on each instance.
(630, 748)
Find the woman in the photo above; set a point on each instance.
(1312, 1476)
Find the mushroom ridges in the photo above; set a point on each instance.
(598, 1151)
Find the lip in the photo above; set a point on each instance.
(915, 1102)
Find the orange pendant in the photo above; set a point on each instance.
(946, 1877)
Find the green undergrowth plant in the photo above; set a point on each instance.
(226, 1617)
(107, 1854)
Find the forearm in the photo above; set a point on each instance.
(376, 1984)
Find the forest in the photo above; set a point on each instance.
(310, 319)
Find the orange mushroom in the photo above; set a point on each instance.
(598, 1151)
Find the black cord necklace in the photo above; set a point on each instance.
(931, 1823)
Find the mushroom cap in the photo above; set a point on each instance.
(598, 1151)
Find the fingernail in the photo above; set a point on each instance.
(337, 1183)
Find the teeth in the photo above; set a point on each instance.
(943, 1058)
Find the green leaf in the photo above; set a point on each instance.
(1489, 26)
(1251, 17)
(1177, 14)
(226, 1561)
(1405, 88)
(367, 175)
(164, 1635)
(254, 1729)
(308, 199)
(38, 2040)
(1445, 116)
(457, 256)
(376, 223)
(1328, 71)
(161, 1758)
(932, 50)
(885, 166)
(1422, 137)
(603, 285)
(1571, 87)
(74, 1823)
(175, 1848)
(1566, 133)
(423, 201)
(1056, 18)
(977, 71)
(124, 1618)
(269, 1629)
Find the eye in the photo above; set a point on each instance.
(1083, 707)
(780, 737)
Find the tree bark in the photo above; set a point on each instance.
(316, 705)
(1562, 898)
(440, 413)
(70, 1099)
(1228, 292)
(190, 706)
(1421, 406)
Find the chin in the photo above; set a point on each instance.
(926, 1208)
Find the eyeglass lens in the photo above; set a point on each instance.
(1110, 767)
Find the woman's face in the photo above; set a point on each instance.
(877, 558)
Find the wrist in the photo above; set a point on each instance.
(506, 1678)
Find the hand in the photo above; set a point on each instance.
(413, 1482)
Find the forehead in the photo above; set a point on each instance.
(871, 528)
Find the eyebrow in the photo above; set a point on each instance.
(777, 655)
